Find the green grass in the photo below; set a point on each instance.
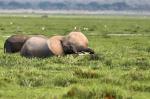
(122, 69)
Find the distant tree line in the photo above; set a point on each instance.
(93, 6)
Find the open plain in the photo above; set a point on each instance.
(121, 70)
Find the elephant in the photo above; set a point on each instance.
(73, 43)
(36, 47)
(76, 42)
(15, 42)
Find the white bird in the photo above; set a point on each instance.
(43, 28)
(11, 23)
(86, 29)
(75, 28)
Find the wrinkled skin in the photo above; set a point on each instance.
(36, 47)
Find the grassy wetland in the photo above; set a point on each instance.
(121, 71)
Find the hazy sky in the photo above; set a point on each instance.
(85, 1)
